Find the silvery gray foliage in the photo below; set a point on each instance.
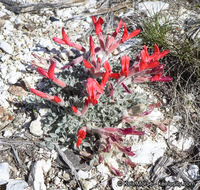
(61, 122)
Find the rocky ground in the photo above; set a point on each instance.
(25, 161)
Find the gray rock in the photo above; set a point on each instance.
(4, 172)
(36, 177)
(13, 77)
(36, 127)
(150, 8)
(116, 185)
(2, 13)
(82, 174)
(16, 184)
(6, 47)
(193, 171)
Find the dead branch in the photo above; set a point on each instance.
(16, 156)
(68, 162)
(101, 11)
(24, 8)
(10, 142)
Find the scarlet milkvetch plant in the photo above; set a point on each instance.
(102, 79)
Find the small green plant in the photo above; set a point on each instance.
(155, 32)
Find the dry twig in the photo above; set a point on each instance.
(23, 8)
(68, 162)
(101, 11)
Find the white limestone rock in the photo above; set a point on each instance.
(148, 151)
(150, 8)
(40, 168)
(101, 168)
(4, 172)
(193, 171)
(13, 77)
(36, 127)
(6, 47)
(16, 184)
(183, 143)
(89, 184)
(83, 175)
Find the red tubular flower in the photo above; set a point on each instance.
(150, 62)
(87, 64)
(54, 99)
(125, 60)
(107, 67)
(50, 75)
(41, 94)
(66, 41)
(42, 72)
(59, 82)
(159, 78)
(59, 41)
(127, 36)
(117, 29)
(104, 79)
(92, 49)
(81, 135)
(92, 52)
(100, 158)
(126, 88)
(75, 110)
(114, 170)
(110, 41)
(130, 131)
(157, 54)
(129, 162)
(98, 64)
(158, 71)
(108, 74)
(65, 37)
(147, 62)
(126, 150)
(97, 24)
(51, 71)
(93, 87)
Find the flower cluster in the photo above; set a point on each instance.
(147, 69)
(112, 138)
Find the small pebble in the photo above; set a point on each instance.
(6, 47)
(36, 127)
(4, 172)
(82, 174)
(16, 184)
(66, 176)
(116, 185)
(193, 171)
(56, 180)
(13, 77)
